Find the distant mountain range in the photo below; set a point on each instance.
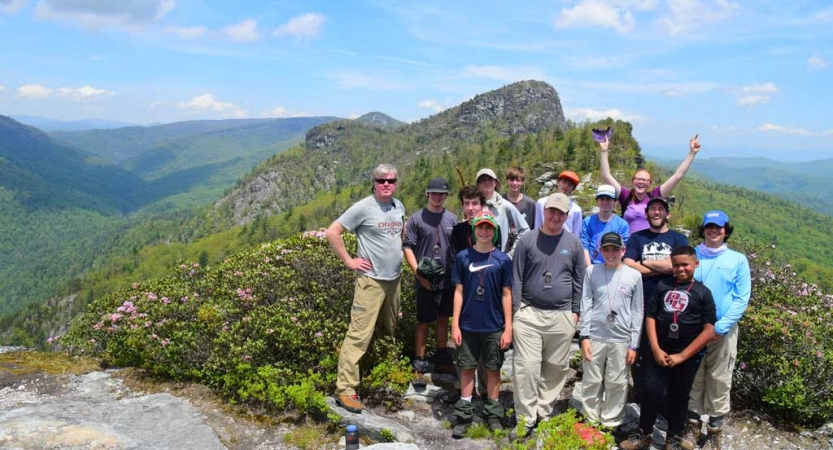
(49, 124)
(806, 183)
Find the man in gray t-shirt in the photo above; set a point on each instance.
(546, 292)
(378, 222)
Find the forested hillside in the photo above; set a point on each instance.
(803, 183)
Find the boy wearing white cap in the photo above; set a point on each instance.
(597, 225)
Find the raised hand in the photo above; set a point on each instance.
(694, 144)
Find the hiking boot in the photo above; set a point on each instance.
(673, 443)
(351, 403)
(420, 365)
(521, 431)
(494, 424)
(637, 441)
(714, 438)
(691, 435)
(459, 431)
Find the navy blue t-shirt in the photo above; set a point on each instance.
(493, 271)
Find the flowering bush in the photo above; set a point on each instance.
(265, 327)
(785, 348)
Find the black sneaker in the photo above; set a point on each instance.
(420, 365)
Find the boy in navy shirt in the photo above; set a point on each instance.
(680, 322)
(482, 324)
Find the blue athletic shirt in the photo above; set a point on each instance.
(495, 271)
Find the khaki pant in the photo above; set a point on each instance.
(713, 383)
(541, 359)
(604, 385)
(375, 306)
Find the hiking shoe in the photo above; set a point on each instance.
(494, 424)
(714, 438)
(351, 403)
(673, 443)
(637, 441)
(420, 365)
(459, 431)
(522, 431)
(419, 381)
(691, 434)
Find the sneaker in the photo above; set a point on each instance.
(459, 431)
(714, 438)
(351, 403)
(637, 441)
(691, 435)
(494, 424)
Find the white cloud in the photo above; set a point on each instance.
(187, 32)
(582, 114)
(281, 112)
(82, 93)
(816, 62)
(11, 6)
(33, 91)
(2, 88)
(829, 131)
(755, 94)
(348, 79)
(431, 104)
(686, 15)
(302, 27)
(156, 105)
(104, 13)
(783, 129)
(596, 13)
(245, 31)
(207, 103)
(502, 73)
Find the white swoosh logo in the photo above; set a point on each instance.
(473, 268)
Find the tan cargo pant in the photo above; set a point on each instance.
(713, 383)
(604, 385)
(375, 306)
(541, 360)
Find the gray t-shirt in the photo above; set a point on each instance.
(526, 206)
(625, 286)
(424, 230)
(562, 256)
(378, 227)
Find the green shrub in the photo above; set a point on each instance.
(562, 432)
(264, 327)
(785, 347)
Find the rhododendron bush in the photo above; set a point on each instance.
(263, 327)
(785, 348)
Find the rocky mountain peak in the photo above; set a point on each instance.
(525, 106)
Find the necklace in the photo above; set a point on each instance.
(481, 290)
(677, 306)
(611, 316)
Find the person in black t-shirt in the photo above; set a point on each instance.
(473, 201)
(680, 321)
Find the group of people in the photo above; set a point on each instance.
(516, 272)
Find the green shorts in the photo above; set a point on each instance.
(480, 348)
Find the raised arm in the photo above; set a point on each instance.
(674, 180)
(605, 166)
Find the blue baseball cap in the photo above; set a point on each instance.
(716, 217)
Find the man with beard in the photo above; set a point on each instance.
(649, 252)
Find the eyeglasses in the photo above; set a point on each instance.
(385, 181)
(642, 180)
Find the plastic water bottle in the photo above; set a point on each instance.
(351, 437)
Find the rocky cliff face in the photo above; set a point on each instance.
(343, 153)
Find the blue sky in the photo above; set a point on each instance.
(739, 73)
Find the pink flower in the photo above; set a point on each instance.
(818, 354)
(294, 319)
(165, 300)
(743, 366)
(153, 336)
(135, 285)
(152, 296)
(165, 342)
(49, 341)
(183, 266)
(270, 331)
(195, 265)
(98, 326)
(319, 334)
